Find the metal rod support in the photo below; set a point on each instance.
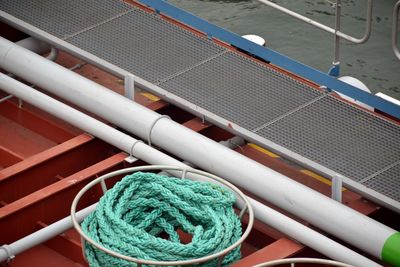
(6, 98)
(338, 8)
(129, 84)
(337, 182)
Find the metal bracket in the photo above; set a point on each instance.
(129, 85)
(131, 159)
(337, 182)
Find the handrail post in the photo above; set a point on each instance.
(338, 8)
(394, 29)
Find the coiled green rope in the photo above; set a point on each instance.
(131, 216)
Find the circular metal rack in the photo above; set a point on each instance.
(184, 173)
(293, 261)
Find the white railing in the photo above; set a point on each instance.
(321, 26)
(335, 31)
(396, 10)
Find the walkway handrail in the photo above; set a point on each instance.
(321, 26)
(396, 12)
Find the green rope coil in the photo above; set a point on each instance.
(131, 216)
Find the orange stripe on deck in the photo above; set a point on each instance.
(263, 150)
(319, 178)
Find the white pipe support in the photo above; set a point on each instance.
(298, 199)
(53, 54)
(129, 86)
(34, 45)
(337, 183)
(141, 150)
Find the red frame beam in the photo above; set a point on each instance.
(36, 123)
(43, 169)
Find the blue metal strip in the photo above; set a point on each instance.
(274, 57)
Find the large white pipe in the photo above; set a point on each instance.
(34, 45)
(279, 221)
(321, 211)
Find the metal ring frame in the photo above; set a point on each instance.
(184, 171)
(293, 261)
(153, 124)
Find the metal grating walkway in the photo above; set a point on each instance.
(264, 105)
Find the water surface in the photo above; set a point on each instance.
(373, 63)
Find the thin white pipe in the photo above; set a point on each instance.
(43, 234)
(267, 215)
(276, 188)
(321, 26)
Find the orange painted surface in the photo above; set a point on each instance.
(280, 249)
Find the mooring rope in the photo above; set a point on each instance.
(140, 216)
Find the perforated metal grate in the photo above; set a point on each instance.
(63, 18)
(339, 136)
(240, 90)
(146, 45)
(387, 183)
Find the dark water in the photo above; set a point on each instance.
(373, 63)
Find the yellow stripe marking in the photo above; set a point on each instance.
(151, 96)
(263, 150)
(319, 178)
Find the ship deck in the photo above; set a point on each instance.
(291, 125)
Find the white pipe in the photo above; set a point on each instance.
(279, 221)
(299, 231)
(42, 235)
(34, 45)
(321, 211)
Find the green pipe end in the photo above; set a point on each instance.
(391, 250)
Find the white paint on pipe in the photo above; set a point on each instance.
(321, 211)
